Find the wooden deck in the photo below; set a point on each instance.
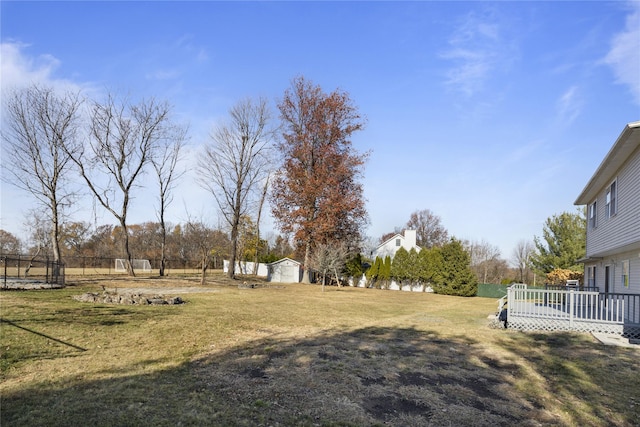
(573, 310)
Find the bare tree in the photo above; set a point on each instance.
(40, 136)
(9, 244)
(483, 257)
(521, 258)
(429, 229)
(39, 236)
(201, 238)
(165, 162)
(122, 140)
(74, 237)
(328, 258)
(235, 162)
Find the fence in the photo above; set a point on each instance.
(87, 265)
(92, 266)
(575, 310)
(32, 272)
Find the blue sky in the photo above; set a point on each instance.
(493, 115)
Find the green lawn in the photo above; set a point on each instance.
(295, 355)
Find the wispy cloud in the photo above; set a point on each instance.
(18, 69)
(172, 61)
(162, 75)
(193, 50)
(569, 105)
(624, 55)
(477, 48)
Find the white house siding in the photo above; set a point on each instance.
(624, 227)
(391, 246)
(615, 271)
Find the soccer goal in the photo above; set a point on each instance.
(137, 264)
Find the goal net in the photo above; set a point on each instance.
(137, 264)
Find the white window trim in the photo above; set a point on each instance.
(593, 214)
(611, 204)
(625, 273)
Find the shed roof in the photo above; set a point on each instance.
(283, 260)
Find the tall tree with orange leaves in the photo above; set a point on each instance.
(317, 195)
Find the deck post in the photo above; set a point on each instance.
(572, 301)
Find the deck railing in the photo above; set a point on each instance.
(569, 309)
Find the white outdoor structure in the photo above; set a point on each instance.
(391, 245)
(246, 267)
(137, 264)
(285, 270)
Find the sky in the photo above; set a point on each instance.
(493, 115)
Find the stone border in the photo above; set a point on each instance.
(133, 298)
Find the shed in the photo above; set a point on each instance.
(285, 270)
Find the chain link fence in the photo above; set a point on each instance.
(27, 268)
(31, 272)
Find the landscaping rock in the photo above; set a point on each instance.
(128, 299)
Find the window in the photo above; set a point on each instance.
(398, 242)
(625, 273)
(592, 215)
(591, 276)
(611, 199)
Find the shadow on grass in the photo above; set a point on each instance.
(40, 335)
(59, 341)
(597, 384)
(367, 377)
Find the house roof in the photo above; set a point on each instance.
(395, 236)
(626, 144)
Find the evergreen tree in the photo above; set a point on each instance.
(430, 267)
(400, 266)
(354, 268)
(386, 272)
(563, 243)
(373, 272)
(413, 268)
(457, 276)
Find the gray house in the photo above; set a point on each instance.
(612, 198)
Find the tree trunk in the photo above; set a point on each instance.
(127, 251)
(260, 206)
(162, 258)
(55, 233)
(203, 277)
(163, 240)
(337, 278)
(55, 239)
(205, 265)
(307, 255)
(26, 271)
(234, 250)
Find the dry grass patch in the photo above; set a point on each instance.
(298, 356)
